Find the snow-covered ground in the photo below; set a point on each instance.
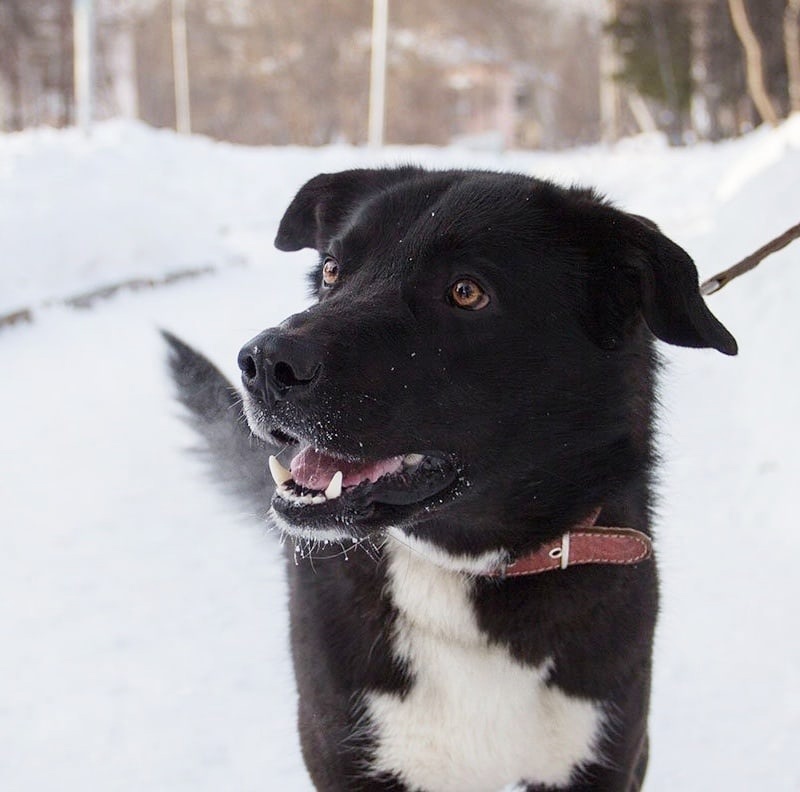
(143, 619)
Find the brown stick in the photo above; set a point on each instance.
(719, 280)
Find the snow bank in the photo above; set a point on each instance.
(144, 619)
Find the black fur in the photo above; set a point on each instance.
(540, 406)
(237, 457)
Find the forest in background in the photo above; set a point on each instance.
(519, 73)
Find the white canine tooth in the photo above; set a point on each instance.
(334, 489)
(413, 459)
(280, 475)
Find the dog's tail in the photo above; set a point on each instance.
(214, 410)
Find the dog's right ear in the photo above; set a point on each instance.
(324, 203)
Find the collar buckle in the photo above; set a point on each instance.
(562, 552)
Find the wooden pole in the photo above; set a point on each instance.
(83, 43)
(377, 74)
(180, 67)
(609, 86)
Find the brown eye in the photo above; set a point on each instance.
(467, 294)
(330, 272)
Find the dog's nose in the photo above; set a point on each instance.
(252, 369)
(276, 366)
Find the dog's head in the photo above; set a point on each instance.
(477, 365)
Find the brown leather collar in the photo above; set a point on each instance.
(585, 543)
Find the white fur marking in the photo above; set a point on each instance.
(472, 565)
(475, 719)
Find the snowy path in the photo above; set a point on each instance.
(143, 620)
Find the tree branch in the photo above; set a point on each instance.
(753, 62)
(721, 279)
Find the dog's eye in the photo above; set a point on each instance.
(467, 294)
(330, 272)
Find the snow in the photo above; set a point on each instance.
(143, 618)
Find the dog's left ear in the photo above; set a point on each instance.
(324, 203)
(666, 280)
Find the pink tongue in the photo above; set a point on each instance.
(314, 470)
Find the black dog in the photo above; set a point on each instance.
(471, 395)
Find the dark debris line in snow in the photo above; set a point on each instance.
(88, 299)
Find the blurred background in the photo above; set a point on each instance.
(517, 73)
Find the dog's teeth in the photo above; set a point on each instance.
(334, 489)
(280, 475)
(413, 459)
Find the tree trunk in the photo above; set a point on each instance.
(122, 66)
(755, 69)
(791, 38)
(641, 112)
(65, 65)
(705, 92)
(666, 69)
(609, 87)
(180, 66)
(17, 114)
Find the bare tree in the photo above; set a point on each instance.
(180, 66)
(706, 93)
(791, 38)
(15, 31)
(609, 84)
(755, 70)
(36, 61)
(64, 69)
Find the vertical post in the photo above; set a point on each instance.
(791, 41)
(377, 74)
(702, 109)
(83, 43)
(609, 87)
(180, 68)
(122, 65)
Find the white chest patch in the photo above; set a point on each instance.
(475, 719)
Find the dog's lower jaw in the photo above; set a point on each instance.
(474, 718)
(311, 536)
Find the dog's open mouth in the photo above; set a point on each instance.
(322, 488)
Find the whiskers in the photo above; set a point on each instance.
(312, 549)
